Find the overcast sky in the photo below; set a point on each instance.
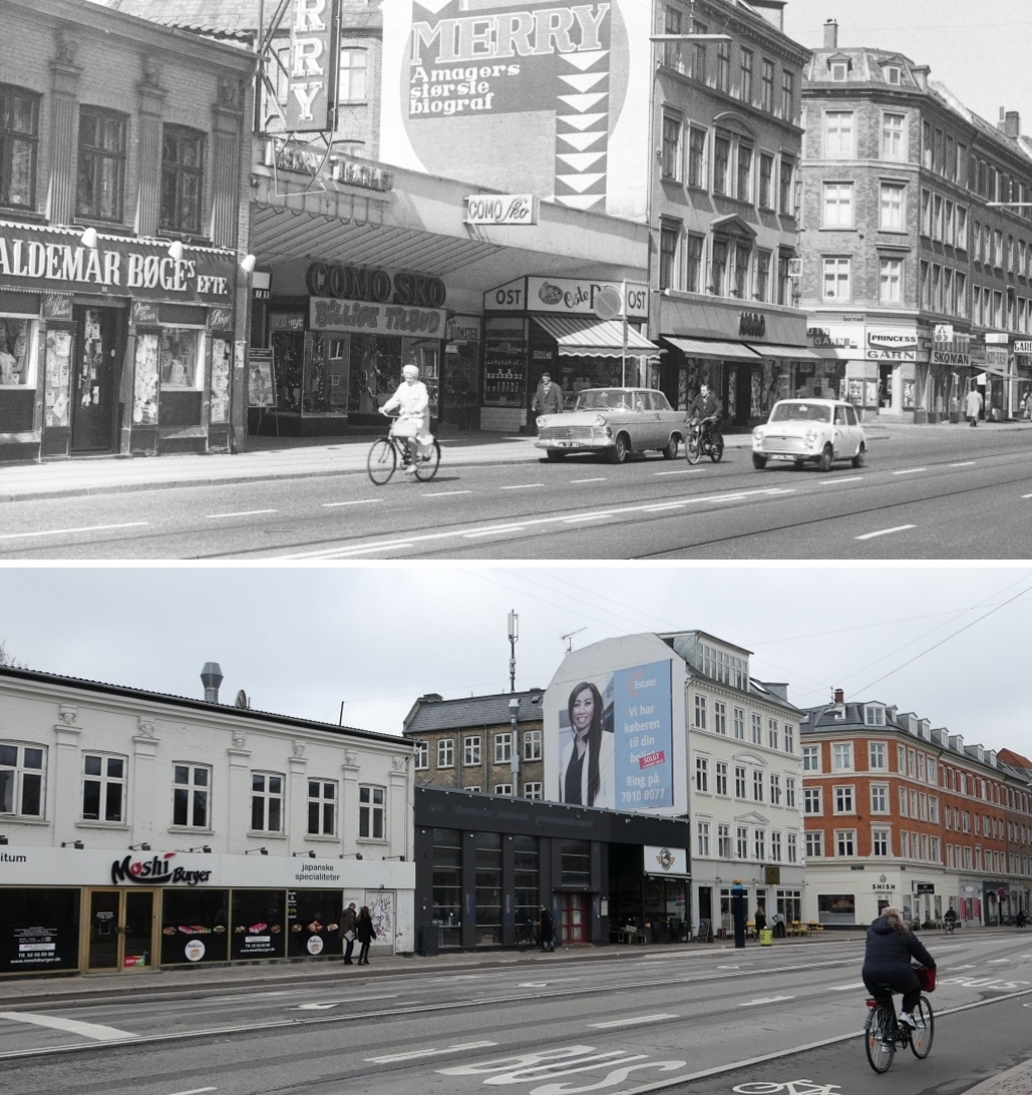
(949, 643)
(979, 50)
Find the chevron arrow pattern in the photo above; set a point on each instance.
(582, 130)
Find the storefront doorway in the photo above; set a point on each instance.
(94, 395)
(574, 919)
(121, 930)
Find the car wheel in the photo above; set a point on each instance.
(618, 453)
(672, 446)
(861, 456)
(758, 462)
(826, 457)
(555, 455)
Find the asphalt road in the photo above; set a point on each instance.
(683, 1019)
(959, 495)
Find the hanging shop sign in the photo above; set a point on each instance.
(565, 296)
(888, 344)
(668, 861)
(58, 262)
(360, 317)
(502, 209)
(312, 66)
(375, 285)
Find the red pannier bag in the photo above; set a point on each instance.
(926, 978)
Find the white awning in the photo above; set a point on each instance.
(697, 347)
(581, 337)
(785, 353)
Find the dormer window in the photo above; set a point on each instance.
(839, 71)
(874, 715)
(893, 74)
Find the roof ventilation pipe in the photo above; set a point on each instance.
(211, 678)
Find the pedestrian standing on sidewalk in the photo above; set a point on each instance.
(548, 399)
(347, 932)
(778, 923)
(973, 406)
(366, 934)
(760, 919)
(547, 933)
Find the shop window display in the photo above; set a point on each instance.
(179, 357)
(39, 930)
(325, 378)
(376, 364)
(17, 356)
(193, 926)
(257, 924)
(288, 348)
(314, 917)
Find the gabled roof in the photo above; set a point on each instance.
(430, 714)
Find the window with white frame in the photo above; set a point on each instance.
(266, 802)
(700, 711)
(757, 729)
(876, 756)
(669, 254)
(702, 774)
(789, 732)
(874, 715)
(103, 787)
(741, 842)
(845, 842)
(471, 750)
(721, 163)
(933, 850)
(446, 753)
(757, 786)
(503, 789)
(890, 281)
(838, 205)
(880, 842)
(719, 717)
(372, 812)
(533, 790)
(502, 748)
(793, 847)
(739, 723)
(790, 792)
(933, 809)
(322, 807)
(720, 774)
(724, 841)
(471, 789)
(843, 800)
(837, 278)
(191, 788)
(842, 756)
(739, 782)
(421, 755)
(775, 789)
(772, 733)
(671, 161)
(893, 143)
(703, 831)
(532, 745)
(879, 798)
(775, 847)
(22, 768)
(904, 844)
(814, 845)
(839, 135)
(812, 800)
(759, 844)
(903, 802)
(811, 758)
(353, 70)
(697, 157)
(891, 207)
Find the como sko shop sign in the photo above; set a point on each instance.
(52, 261)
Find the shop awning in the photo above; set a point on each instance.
(579, 337)
(697, 347)
(785, 353)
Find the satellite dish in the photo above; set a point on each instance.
(608, 303)
(242, 700)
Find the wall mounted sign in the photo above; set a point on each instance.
(360, 317)
(567, 296)
(752, 325)
(312, 66)
(502, 209)
(57, 306)
(889, 344)
(324, 279)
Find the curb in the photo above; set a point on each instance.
(1015, 1081)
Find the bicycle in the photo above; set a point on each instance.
(697, 445)
(525, 938)
(883, 1032)
(388, 451)
(949, 926)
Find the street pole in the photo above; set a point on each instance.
(514, 634)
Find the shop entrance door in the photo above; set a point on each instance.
(95, 379)
(574, 919)
(121, 930)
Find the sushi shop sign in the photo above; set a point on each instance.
(159, 870)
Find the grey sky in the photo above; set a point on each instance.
(979, 50)
(301, 641)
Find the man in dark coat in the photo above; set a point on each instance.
(547, 930)
(548, 399)
(347, 932)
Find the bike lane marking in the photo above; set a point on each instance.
(96, 1031)
(885, 532)
(415, 1054)
(847, 988)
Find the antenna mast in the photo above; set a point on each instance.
(514, 634)
(568, 638)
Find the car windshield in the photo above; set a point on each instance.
(801, 412)
(603, 399)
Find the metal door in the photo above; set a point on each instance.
(95, 379)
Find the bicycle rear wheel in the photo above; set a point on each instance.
(716, 446)
(382, 461)
(427, 469)
(922, 1038)
(692, 449)
(879, 1041)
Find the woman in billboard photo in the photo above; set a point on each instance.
(586, 766)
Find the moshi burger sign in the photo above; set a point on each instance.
(156, 871)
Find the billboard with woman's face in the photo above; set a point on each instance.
(613, 734)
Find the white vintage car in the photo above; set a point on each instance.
(614, 421)
(816, 431)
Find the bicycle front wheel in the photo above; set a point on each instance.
(427, 469)
(879, 1041)
(921, 1039)
(382, 461)
(716, 447)
(692, 449)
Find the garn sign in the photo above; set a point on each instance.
(312, 66)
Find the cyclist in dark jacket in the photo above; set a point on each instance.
(890, 947)
(707, 409)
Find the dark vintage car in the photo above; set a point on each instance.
(613, 421)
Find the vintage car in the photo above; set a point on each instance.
(815, 431)
(613, 421)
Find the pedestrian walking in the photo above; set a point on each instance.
(346, 932)
(778, 923)
(546, 934)
(973, 404)
(366, 934)
(548, 399)
(760, 919)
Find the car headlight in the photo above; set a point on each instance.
(811, 435)
(757, 435)
(600, 420)
(540, 423)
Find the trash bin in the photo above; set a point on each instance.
(766, 937)
(430, 941)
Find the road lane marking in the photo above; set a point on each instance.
(909, 471)
(522, 486)
(886, 532)
(447, 493)
(664, 506)
(492, 531)
(586, 517)
(68, 531)
(631, 1022)
(1026, 496)
(765, 1000)
(998, 962)
(195, 1091)
(599, 479)
(412, 1055)
(679, 471)
(357, 502)
(849, 479)
(965, 464)
(847, 988)
(246, 996)
(243, 513)
(72, 1026)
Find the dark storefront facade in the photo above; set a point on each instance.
(486, 863)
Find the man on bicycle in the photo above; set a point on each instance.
(413, 403)
(951, 918)
(705, 407)
(890, 947)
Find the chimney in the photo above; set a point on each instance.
(1012, 124)
(211, 678)
(831, 34)
(840, 696)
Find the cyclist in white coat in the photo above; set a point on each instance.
(413, 423)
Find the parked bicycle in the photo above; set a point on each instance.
(703, 442)
(525, 937)
(387, 452)
(883, 1032)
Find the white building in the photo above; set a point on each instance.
(141, 829)
(687, 732)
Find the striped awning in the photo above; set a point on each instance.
(581, 337)
(698, 347)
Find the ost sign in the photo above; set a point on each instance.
(312, 66)
(565, 295)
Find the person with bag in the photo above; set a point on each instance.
(347, 932)
(890, 947)
(413, 402)
(546, 934)
(366, 934)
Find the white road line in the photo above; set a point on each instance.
(73, 1026)
(522, 486)
(195, 1091)
(766, 1000)
(665, 505)
(499, 531)
(1026, 496)
(357, 502)
(909, 471)
(965, 464)
(68, 531)
(679, 471)
(847, 988)
(849, 479)
(447, 493)
(886, 532)
(998, 962)
(586, 517)
(243, 513)
(427, 1053)
(599, 479)
(632, 1022)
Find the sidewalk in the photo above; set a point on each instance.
(271, 458)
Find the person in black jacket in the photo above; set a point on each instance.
(366, 934)
(890, 947)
